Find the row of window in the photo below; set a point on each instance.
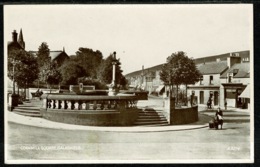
(210, 79)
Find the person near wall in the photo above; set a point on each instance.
(219, 117)
(191, 99)
(209, 103)
(225, 104)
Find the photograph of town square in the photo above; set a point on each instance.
(128, 84)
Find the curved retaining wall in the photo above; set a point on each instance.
(94, 118)
(184, 115)
(90, 110)
(178, 116)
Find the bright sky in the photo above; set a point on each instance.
(140, 34)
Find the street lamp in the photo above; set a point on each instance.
(113, 86)
(114, 69)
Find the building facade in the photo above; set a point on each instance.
(209, 84)
(233, 83)
(217, 80)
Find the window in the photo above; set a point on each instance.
(229, 79)
(201, 79)
(211, 79)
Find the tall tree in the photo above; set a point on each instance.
(53, 76)
(106, 70)
(179, 69)
(50, 73)
(44, 61)
(27, 70)
(43, 54)
(23, 67)
(89, 60)
(71, 71)
(191, 74)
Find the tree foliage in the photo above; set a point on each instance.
(23, 67)
(71, 71)
(50, 73)
(43, 54)
(106, 71)
(89, 60)
(179, 69)
(53, 75)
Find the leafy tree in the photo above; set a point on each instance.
(106, 71)
(50, 73)
(190, 74)
(43, 54)
(14, 58)
(179, 69)
(26, 67)
(123, 82)
(71, 71)
(89, 60)
(44, 61)
(27, 71)
(54, 76)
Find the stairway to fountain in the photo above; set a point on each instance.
(151, 117)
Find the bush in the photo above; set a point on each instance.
(96, 83)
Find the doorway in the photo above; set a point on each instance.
(216, 98)
(201, 97)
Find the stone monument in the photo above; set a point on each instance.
(113, 90)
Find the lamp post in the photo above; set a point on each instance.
(112, 89)
(114, 69)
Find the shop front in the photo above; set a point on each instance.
(232, 92)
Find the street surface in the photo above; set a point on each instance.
(34, 143)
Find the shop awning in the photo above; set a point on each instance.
(159, 89)
(246, 92)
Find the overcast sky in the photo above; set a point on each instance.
(140, 34)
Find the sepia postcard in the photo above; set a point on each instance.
(129, 84)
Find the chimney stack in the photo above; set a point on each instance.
(14, 36)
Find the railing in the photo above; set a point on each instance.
(83, 102)
(90, 109)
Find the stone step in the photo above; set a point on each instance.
(28, 114)
(150, 122)
(28, 108)
(146, 113)
(26, 111)
(151, 116)
(151, 125)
